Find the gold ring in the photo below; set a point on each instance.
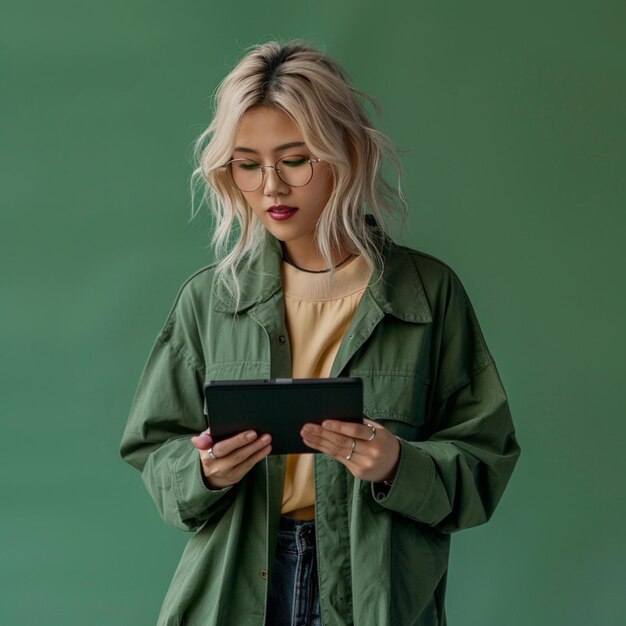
(351, 450)
(373, 432)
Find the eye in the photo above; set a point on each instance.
(294, 161)
(247, 165)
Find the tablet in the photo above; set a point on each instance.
(280, 407)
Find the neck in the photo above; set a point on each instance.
(312, 260)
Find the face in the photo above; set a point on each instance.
(290, 214)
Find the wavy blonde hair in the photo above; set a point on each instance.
(314, 91)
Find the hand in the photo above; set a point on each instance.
(234, 457)
(368, 450)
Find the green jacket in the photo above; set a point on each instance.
(428, 377)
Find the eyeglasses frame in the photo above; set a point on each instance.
(227, 168)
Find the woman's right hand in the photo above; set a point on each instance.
(234, 457)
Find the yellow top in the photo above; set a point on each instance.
(318, 312)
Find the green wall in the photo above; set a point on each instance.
(510, 120)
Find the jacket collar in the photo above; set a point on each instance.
(399, 291)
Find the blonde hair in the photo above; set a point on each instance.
(314, 91)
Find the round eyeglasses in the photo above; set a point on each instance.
(294, 170)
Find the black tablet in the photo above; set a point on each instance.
(280, 407)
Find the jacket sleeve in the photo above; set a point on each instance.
(455, 477)
(166, 413)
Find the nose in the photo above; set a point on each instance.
(273, 185)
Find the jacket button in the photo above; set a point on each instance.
(263, 574)
(282, 339)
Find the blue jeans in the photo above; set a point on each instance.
(293, 595)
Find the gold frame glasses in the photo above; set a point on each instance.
(294, 170)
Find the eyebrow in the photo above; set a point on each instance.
(292, 144)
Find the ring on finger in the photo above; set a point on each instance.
(351, 450)
(373, 431)
(212, 454)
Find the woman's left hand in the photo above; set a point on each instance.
(368, 450)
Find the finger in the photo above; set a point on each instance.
(370, 422)
(336, 446)
(319, 444)
(312, 442)
(353, 463)
(245, 466)
(349, 429)
(202, 441)
(373, 428)
(223, 472)
(242, 455)
(224, 464)
(226, 446)
(335, 440)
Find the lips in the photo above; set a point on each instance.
(280, 212)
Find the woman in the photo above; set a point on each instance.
(307, 285)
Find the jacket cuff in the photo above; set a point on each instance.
(192, 493)
(411, 484)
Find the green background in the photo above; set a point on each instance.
(510, 120)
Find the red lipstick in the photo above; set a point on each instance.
(280, 212)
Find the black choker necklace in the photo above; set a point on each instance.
(334, 267)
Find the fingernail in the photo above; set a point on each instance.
(251, 435)
(306, 430)
(266, 438)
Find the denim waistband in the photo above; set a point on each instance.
(296, 536)
(290, 523)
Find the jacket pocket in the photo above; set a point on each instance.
(396, 398)
(238, 370)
